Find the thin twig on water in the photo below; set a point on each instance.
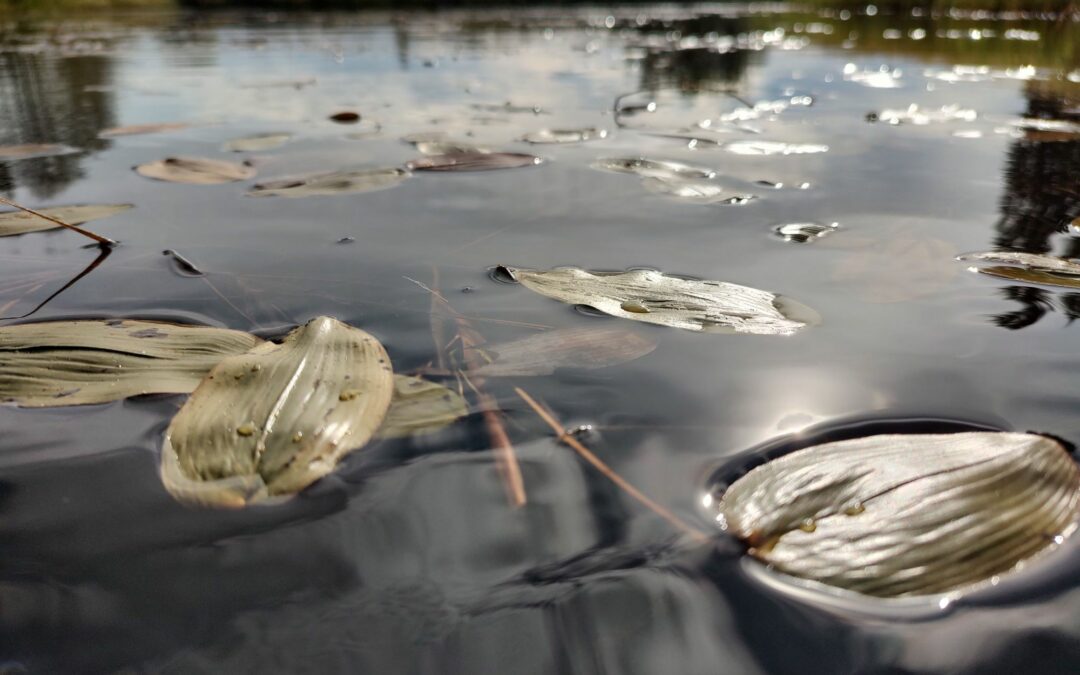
(603, 468)
(104, 241)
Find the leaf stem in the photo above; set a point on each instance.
(104, 241)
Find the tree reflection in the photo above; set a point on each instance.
(1040, 202)
(46, 98)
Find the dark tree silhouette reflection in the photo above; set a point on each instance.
(1040, 201)
(48, 98)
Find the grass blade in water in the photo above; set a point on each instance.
(273, 420)
(907, 514)
(62, 363)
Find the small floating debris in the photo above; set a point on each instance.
(773, 148)
(967, 133)
(196, 170)
(345, 117)
(802, 233)
(906, 514)
(508, 107)
(21, 222)
(474, 161)
(32, 150)
(913, 114)
(565, 135)
(653, 297)
(331, 183)
(257, 143)
(137, 129)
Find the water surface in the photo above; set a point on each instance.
(408, 559)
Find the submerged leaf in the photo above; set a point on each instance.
(62, 363)
(654, 297)
(419, 407)
(195, 170)
(565, 135)
(334, 183)
(904, 268)
(474, 161)
(898, 515)
(586, 348)
(20, 222)
(277, 418)
(134, 129)
(31, 150)
(257, 143)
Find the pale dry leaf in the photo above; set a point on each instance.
(907, 514)
(61, 363)
(273, 420)
(653, 297)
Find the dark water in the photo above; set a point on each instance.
(408, 559)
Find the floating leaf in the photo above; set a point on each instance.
(876, 79)
(654, 297)
(773, 148)
(420, 406)
(913, 114)
(134, 129)
(1030, 268)
(565, 135)
(898, 515)
(474, 161)
(346, 117)
(698, 191)
(20, 222)
(63, 363)
(31, 150)
(445, 146)
(257, 143)
(586, 348)
(195, 170)
(801, 233)
(334, 183)
(655, 168)
(277, 418)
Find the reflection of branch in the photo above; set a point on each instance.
(105, 252)
(607, 470)
(104, 241)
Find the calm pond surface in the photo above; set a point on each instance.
(409, 559)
